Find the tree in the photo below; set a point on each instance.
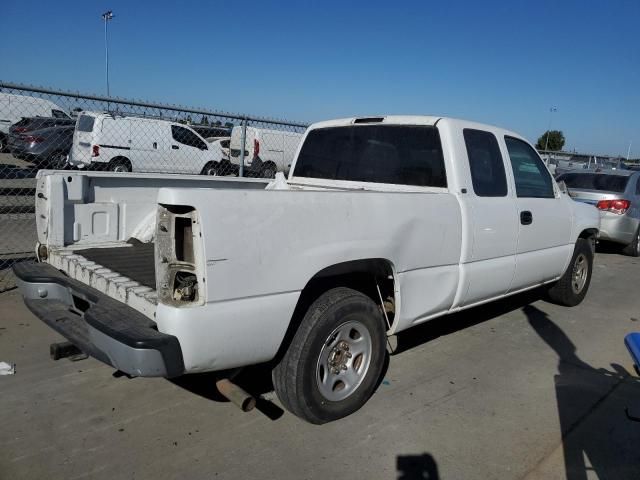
(204, 120)
(556, 140)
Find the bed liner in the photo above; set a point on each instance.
(124, 271)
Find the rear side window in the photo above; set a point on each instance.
(485, 163)
(85, 123)
(595, 181)
(532, 178)
(395, 154)
(187, 137)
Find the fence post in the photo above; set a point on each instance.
(243, 146)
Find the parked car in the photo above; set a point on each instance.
(47, 147)
(15, 107)
(211, 131)
(383, 224)
(616, 193)
(266, 151)
(224, 166)
(118, 143)
(29, 124)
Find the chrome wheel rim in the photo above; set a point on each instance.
(120, 168)
(344, 361)
(580, 271)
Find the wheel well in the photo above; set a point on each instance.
(365, 276)
(209, 163)
(119, 159)
(590, 234)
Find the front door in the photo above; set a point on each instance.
(544, 232)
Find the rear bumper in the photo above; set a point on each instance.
(106, 329)
(618, 228)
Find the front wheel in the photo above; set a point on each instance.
(58, 161)
(211, 169)
(335, 359)
(572, 287)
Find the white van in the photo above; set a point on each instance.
(106, 141)
(266, 151)
(15, 107)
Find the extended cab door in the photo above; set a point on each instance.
(544, 220)
(149, 145)
(488, 260)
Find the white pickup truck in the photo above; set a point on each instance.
(382, 224)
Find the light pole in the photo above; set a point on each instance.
(106, 16)
(546, 143)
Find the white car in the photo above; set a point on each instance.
(383, 223)
(266, 151)
(15, 107)
(118, 143)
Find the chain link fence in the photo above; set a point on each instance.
(43, 128)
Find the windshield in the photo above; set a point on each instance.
(595, 181)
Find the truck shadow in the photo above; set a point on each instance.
(597, 437)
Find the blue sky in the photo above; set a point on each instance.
(500, 62)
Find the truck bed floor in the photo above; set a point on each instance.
(135, 262)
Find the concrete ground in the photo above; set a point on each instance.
(515, 390)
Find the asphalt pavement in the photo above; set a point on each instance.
(519, 389)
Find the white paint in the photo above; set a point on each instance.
(448, 248)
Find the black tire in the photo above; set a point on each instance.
(268, 170)
(3, 143)
(58, 161)
(212, 169)
(572, 287)
(633, 249)
(298, 377)
(119, 164)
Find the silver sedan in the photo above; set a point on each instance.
(616, 193)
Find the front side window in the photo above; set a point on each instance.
(485, 163)
(394, 154)
(187, 137)
(85, 123)
(58, 114)
(532, 178)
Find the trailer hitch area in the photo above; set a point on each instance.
(66, 350)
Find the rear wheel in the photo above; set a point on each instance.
(572, 287)
(121, 165)
(633, 249)
(335, 359)
(268, 170)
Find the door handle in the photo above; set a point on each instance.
(526, 218)
(175, 147)
(155, 144)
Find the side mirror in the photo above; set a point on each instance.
(563, 187)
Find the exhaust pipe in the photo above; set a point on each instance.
(236, 395)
